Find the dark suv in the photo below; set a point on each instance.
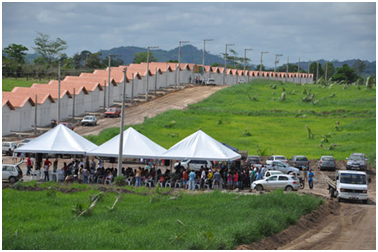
(298, 161)
(253, 160)
(357, 161)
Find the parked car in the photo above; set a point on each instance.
(241, 81)
(327, 162)
(194, 164)
(299, 161)
(89, 120)
(68, 125)
(210, 81)
(276, 158)
(12, 172)
(253, 160)
(357, 161)
(283, 167)
(113, 112)
(270, 173)
(8, 148)
(280, 181)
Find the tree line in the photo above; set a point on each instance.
(51, 55)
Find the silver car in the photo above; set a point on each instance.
(281, 181)
(89, 120)
(327, 162)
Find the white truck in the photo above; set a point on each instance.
(349, 185)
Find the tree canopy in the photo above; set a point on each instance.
(142, 57)
(16, 52)
(49, 49)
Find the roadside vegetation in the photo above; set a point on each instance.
(9, 83)
(311, 120)
(143, 218)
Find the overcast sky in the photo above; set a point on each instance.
(311, 31)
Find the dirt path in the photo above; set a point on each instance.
(334, 226)
(136, 114)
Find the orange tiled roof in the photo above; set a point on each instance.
(54, 84)
(76, 82)
(18, 101)
(91, 77)
(33, 91)
(7, 102)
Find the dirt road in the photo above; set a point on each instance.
(334, 226)
(136, 114)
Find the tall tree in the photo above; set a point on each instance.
(94, 61)
(142, 57)
(345, 73)
(16, 52)
(49, 49)
(359, 66)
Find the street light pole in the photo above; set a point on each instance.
(245, 57)
(110, 55)
(287, 68)
(275, 64)
(298, 70)
(58, 120)
(203, 54)
(225, 64)
(179, 58)
(261, 61)
(120, 152)
(148, 61)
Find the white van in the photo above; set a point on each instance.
(8, 148)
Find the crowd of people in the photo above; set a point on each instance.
(219, 176)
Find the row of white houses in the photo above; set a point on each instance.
(90, 92)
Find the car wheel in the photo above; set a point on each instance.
(259, 188)
(288, 188)
(364, 201)
(12, 180)
(338, 199)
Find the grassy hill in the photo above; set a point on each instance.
(252, 117)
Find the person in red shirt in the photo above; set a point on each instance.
(184, 179)
(28, 165)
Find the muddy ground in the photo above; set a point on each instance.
(334, 226)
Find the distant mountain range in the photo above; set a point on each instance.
(191, 54)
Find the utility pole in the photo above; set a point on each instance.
(110, 55)
(317, 71)
(179, 65)
(35, 117)
(225, 64)
(275, 64)
(148, 61)
(298, 70)
(308, 70)
(261, 62)
(73, 107)
(58, 120)
(104, 95)
(203, 55)
(120, 152)
(326, 65)
(287, 69)
(245, 57)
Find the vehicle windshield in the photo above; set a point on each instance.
(356, 158)
(280, 158)
(328, 159)
(112, 109)
(358, 179)
(88, 118)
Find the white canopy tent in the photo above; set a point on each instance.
(59, 140)
(200, 146)
(135, 145)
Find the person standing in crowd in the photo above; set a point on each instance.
(93, 164)
(210, 178)
(229, 180)
(259, 174)
(85, 175)
(28, 165)
(203, 177)
(184, 179)
(55, 165)
(310, 178)
(236, 179)
(192, 179)
(305, 172)
(46, 166)
(217, 179)
(14, 158)
(138, 177)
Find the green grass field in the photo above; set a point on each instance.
(46, 220)
(252, 116)
(9, 83)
